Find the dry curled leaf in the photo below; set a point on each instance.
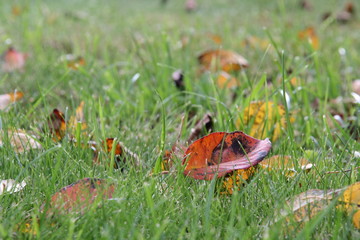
(266, 119)
(7, 99)
(13, 60)
(308, 204)
(310, 35)
(347, 14)
(19, 140)
(11, 186)
(220, 153)
(79, 196)
(215, 60)
(286, 164)
(57, 125)
(205, 125)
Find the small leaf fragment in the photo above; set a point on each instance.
(11, 186)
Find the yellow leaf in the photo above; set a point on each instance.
(351, 197)
(265, 119)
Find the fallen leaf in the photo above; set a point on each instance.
(13, 60)
(79, 196)
(225, 80)
(178, 79)
(265, 118)
(11, 186)
(286, 164)
(305, 4)
(216, 38)
(78, 119)
(356, 219)
(309, 35)
(57, 125)
(205, 125)
(76, 63)
(235, 180)
(221, 153)
(72, 61)
(347, 14)
(16, 10)
(308, 204)
(190, 5)
(7, 99)
(19, 140)
(255, 43)
(356, 86)
(214, 60)
(351, 198)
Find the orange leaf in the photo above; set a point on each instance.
(221, 153)
(216, 38)
(309, 34)
(214, 60)
(80, 195)
(225, 80)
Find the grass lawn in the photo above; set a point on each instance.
(131, 49)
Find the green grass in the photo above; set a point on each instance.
(120, 39)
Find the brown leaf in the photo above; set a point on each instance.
(215, 60)
(221, 153)
(13, 60)
(305, 4)
(79, 196)
(57, 125)
(205, 125)
(7, 99)
(19, 140)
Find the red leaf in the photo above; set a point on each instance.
(221, 153)
(80, 195)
